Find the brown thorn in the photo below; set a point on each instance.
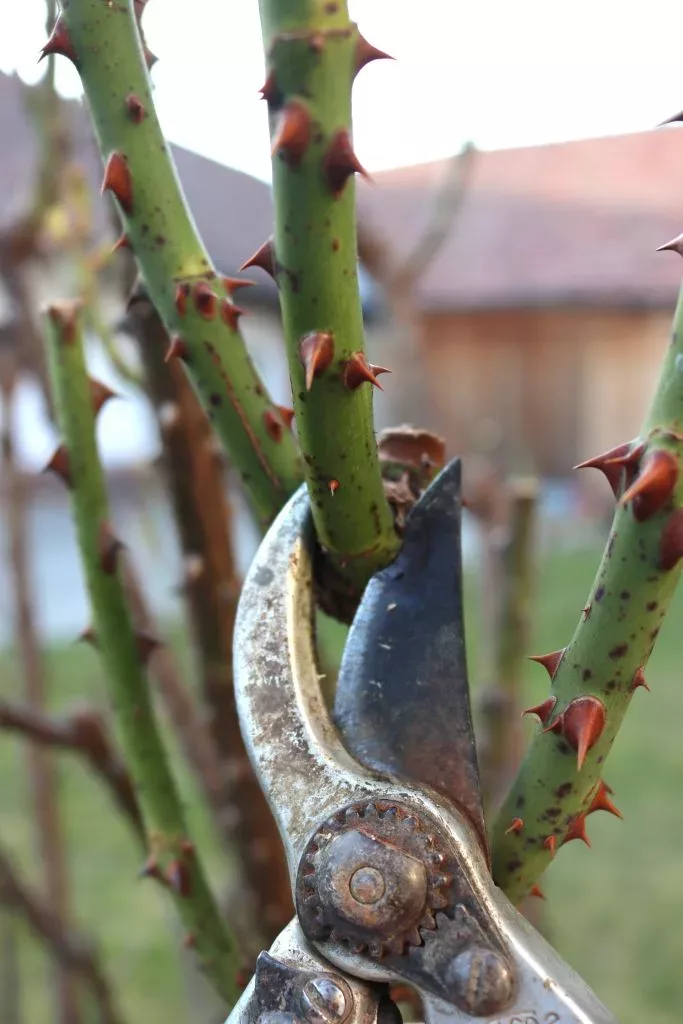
(583, 721)
(366, 52)
(270, 91)
(675, 245)
(654, 484)
(623, 459)
(550, 662)
(118, 180)
(230, 313)
(205, 300)
(577, 830)
(516, 826)
(190, 940)
(671, 541)
(550, 844)
(231, 284)
(543, 711)
(122, 242)
(89, 636)
(135, 108)
(340, 162)
(273, 425)
(316, 351)
(146, 643)
(357, 371)
(638, 680)
(287, 414)
(179, 878)
(64, 315)
(177, 349)
(100, 394)
(181, 296)
(293, 133)
(263, 258)
(61, 465)
(109, 547)
(150, 869)
(602, 802)
(59, 43)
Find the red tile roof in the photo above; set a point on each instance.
(575, 222)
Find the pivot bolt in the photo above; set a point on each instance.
(326, 998)
(367, 885)
(480, 981)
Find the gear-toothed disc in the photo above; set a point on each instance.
(372, 876)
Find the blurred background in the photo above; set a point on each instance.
(510, 281)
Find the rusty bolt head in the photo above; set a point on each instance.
(366, 885)
(326, 999)
(480, 981)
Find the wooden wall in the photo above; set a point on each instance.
(558, 385)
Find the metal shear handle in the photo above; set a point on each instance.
(390, 881)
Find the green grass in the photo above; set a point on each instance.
(614, 911)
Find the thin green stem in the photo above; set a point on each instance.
(173, 857)
(312, 56)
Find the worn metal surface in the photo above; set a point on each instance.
(313, 783)
(402, 703)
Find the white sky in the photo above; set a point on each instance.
(499, 72)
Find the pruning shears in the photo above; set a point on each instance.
(378, 801)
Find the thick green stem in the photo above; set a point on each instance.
(602, 668)
(312, 55)
(172, 855)
(193, 301)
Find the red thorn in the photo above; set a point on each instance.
(176, 350)
(638, 680)
(550, 843)
(264, 258)
(150, 869)
(205, 300)
(340, 162)
(179, 878)
(358, 370)
(61, 465)
(676, 244)
(119, 181)
(586, 611)
(190, 940)
(543, 711)
(146, 643)
(100, 394)
(135, 108)
(654, 485)
(273, 425)
(269, 90)
(231, 284)
(230, 313)
(109, 548)
(536, 891)
(581, 723)
(516, 826)
(366, 52)
(122, 242)
(550, 661)
(181, 296)
(293, 133)
(316, 351)
(615, 462)
(287, 414)
(333, 486)
(64, 315)
(59, 43)
(88, 636)
(602, 802)
(671, 541)
(577, 830)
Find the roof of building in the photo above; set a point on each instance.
(571, 223)
(574, 222)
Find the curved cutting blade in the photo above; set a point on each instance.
(402, 702)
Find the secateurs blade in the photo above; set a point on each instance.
(380, 812)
